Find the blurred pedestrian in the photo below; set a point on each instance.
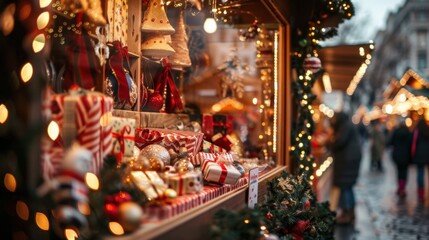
(400, 149)
(420, 153)
(346, 152)
(378, 141)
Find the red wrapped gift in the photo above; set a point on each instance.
(220, 172)
(188, 183)
(82, 116)
(212, 148)
(200, 157)
(174, 140)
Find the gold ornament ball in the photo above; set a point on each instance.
(170, 193)
(183, 166)
(130, 216)
(156, 151)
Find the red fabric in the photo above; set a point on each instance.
(81, 60)
(166, 85)
(116, 64)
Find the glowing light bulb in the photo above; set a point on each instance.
(4, 113)
(39, 43)
(92, 181)
(210, 25)
(53, 130)
(26, 72)
(42, 20)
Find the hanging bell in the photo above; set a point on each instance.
(155, 19)
(156, 47)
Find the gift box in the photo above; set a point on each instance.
(150, 183)
(188, 183)
(82, 116)
(209, 147)
(220, 172)
(123, 132)
(200, 157)
(173, 140)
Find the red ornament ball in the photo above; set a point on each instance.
(269, 216)
(312, 64)
(155, 101)
(111, 211)
(307, 205)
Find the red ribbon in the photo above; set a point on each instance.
(146, 137)
(165, 82)
(222, 177)
(122, 136)
(116, 63)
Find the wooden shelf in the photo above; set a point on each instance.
(195, 223)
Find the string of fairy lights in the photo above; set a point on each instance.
(305, 46)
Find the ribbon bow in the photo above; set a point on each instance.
(121, 138)
(146, 137)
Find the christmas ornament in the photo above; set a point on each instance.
(312, 64)
(130, 216)
(269, 216)
(303, 42)
(155, 101)
(170, 193)
(300, 226)
(155, 19)
(150, 164)
(156, 47)
(156, 151)
(183, 166)
(179, 39)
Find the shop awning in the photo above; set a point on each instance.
(345, 64)
(415, 82)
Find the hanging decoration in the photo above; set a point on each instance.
(232, 72)
(180, 59)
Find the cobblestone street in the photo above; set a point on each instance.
(380, 214)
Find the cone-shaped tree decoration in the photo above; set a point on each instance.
(180, 44)
(155, 19)
(156, 47)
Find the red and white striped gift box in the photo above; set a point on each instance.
(200, 157)
(83, 117)
(171, 139)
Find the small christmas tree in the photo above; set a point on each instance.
(292, 212)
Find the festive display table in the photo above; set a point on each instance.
(180, 218)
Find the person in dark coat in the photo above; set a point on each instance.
(400, 146)
(377, 145)
(346, 152)
(420, 153)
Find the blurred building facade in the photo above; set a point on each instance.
(401, 45)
